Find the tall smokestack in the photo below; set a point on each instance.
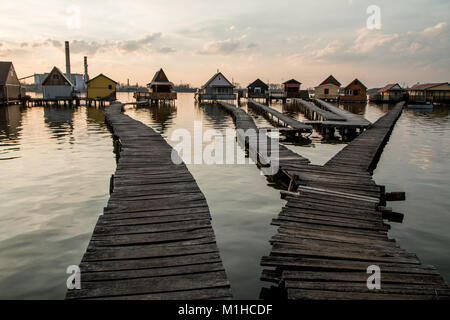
(67, 58)
(86, 76)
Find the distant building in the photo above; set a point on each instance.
(292, 88)
(355, 91)
(160, 89)
(160, 83)
(328, 89)
(101, 87)
(217, 88)
(10, 88)
(77, 79)
(257, 89)
(57, 86)
(430, 92)
(392, 92)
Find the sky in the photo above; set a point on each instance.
(271, 40)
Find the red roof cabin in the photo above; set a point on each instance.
(355, 91)
(292, 88)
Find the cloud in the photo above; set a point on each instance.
(367, 40)
(147, 43)
(329, 50)
(136, 45)
(88, 47)
(226, 47)
(221, 47)
(423, 48)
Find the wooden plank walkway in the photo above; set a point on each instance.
(314, 112)
(248, 131)
(155, 239)
(329, 116)
(363, 153)
(350, 118)
(331, 230)
(288, 121)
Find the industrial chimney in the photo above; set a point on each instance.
(67, 58)
(86, 76)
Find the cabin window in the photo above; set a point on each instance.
(355, 92)
(349, 92)
(109, 87)
(327, 91)
(257, 90)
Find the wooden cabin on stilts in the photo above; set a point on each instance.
(160, 90)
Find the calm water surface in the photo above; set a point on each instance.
(56, 164)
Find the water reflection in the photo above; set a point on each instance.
(96, 115)
(59, 120)
(10, 131)
(50, 196)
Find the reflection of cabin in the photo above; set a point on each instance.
(430, 92)
(9, 83)
(328, 89)
(355, 91)
(217, 88)
(57, 86)
(160, 89)
(257, 89)
(101, 87)
(392, 92)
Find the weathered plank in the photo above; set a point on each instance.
(155, 239)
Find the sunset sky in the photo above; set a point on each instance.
(271, 40)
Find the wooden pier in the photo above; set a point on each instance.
(72, 101)
(287, 121)
(155, 97)
(248, 131)
(155, 239)
(315, 113)
(351, 119)
(329, 118)
(332, 230)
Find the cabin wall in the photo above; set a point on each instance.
(350, 95)
(55, 92)
(101, 88)
(320, 91)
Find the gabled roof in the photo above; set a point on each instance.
(214, 77)
(390, 87)
(357, 82)
(292, 81)
(101, 75)
(5, 66)
(257, 82)
(331, 80)
(425, 86)
(160, 78)
(55, 69)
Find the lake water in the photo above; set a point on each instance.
(56, 163)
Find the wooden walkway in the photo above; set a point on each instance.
(316, 113)
(155, 239)
(363, 153)
(286, 120)
(332, 229)
(248, 131)
(350, 118)
(329, 116)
